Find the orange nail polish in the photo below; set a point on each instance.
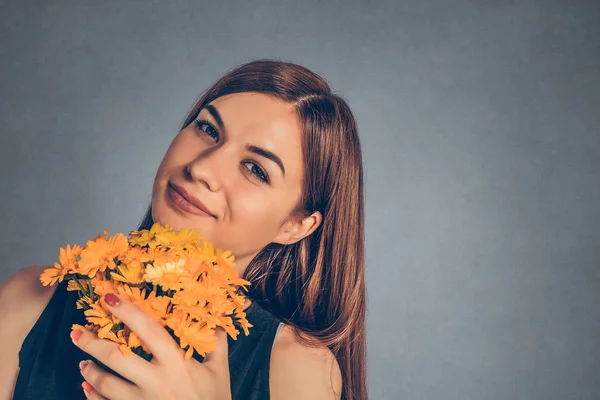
(75, 335)
(87, 387)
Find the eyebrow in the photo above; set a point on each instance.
(213, 111)
(254, 149)
(267, 154)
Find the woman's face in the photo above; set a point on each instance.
(218, 160)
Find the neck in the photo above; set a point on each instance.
(241, 263)
(240, 266)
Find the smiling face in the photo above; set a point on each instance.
(220, 162)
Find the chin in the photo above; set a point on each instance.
(163, 214)
(166, 216)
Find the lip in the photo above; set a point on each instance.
(186, 201)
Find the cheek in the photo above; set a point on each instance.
(159, 184)
(258, 215)
(175, 158)
(181, 147)
(164, 166)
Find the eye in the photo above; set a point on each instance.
(258, 172)
(208, 129)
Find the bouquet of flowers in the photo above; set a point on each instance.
(177, 277)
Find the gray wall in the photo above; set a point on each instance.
(480, 128)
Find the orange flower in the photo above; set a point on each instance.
(225, 258)
(100, 254)
(197, 336)
(88, 327)
(133, 294)
(147, 301)
(99, 315)
(162, 255)
(131, 272)
(67, 257)
(102, 286)
(84, 303)
(148, 237)
(137, 254)
(168, 276)
(133, 341)
(183, 238)
(181, 281)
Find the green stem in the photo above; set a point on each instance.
(79, 284)
(92, 297)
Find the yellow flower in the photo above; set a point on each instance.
(133, 341)
(159, 306)
(73, 286)
(207, 249)
(102, 285)
(196, 266)
(99, 315)
(162, 255)
(168, 276)
(100, 254)
(136, 254)
(183, 238)
(52, 275)
(88, 327)
(148, 237)
(197, 336)
(225, 258)
(146, 300)
(237, 299)
(67, 264)
(129, 273)
(133, 294)
(84, 303)
(179, 280)
(240, 316)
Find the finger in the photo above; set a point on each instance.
(106, 384)
(218, 359)
(131, 367)
(90, 393)
(151, 332)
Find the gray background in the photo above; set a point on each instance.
(480, 129)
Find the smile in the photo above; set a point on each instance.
(180, 202)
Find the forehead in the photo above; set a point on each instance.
(257, 109)
(264, 121)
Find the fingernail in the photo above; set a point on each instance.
(87, 387)
(75, 335)
(82, 365)
(111, 299)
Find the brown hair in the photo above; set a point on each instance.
(317, 284)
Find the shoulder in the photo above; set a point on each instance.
(23, 297)
(22, 300)
(299, 371)
(25, 286)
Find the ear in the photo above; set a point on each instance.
(295, 230)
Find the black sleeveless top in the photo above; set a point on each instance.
(48, 359)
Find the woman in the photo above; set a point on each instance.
(268, 165)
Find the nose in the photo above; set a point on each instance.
(204, 169)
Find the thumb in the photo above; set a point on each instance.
(219, 356)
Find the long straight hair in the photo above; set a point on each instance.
(316, 285)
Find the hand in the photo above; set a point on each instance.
(167, 376)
